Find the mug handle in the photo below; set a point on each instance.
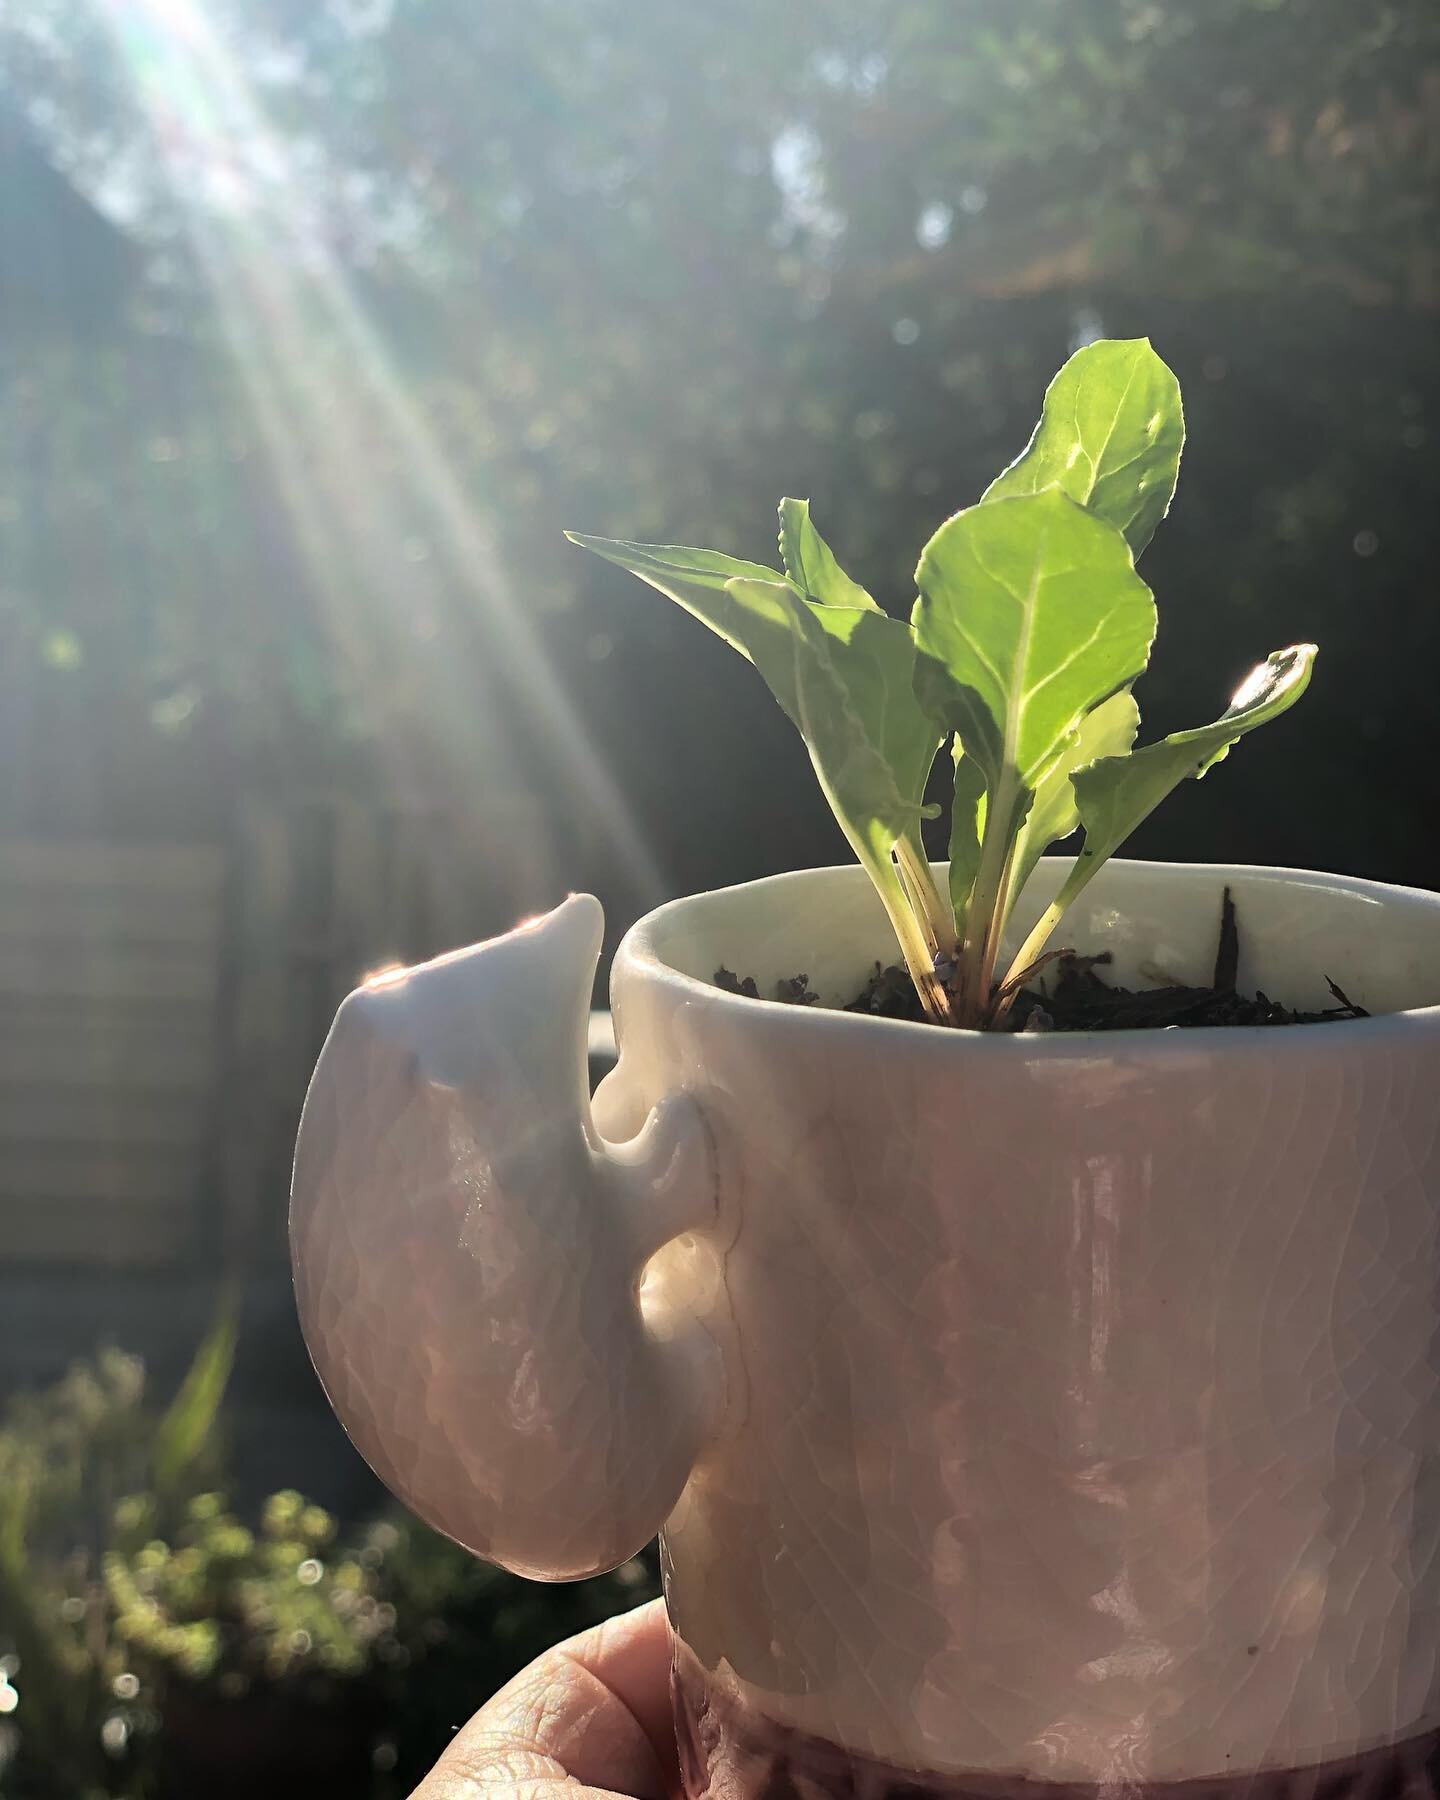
(468, 1254)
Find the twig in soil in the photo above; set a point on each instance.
(1004, 996)
(1347, 1008)
(1227, 956)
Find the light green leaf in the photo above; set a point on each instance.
(810, 563)
(694, 578)
(849, 687)
(845, 676)
(874, 655)
(967, 829)
(189, 1420)
(1115, 794)
(1107, 731)
(1030, 614)
(1110, 436)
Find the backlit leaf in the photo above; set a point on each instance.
(1115, 794)
(847, 683)
(1110, 436)
(810, 563)
(844, 674)
(1030, 614)
(1107, 731)
(694, 578)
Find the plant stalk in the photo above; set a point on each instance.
(996, 927)
(905, 918)
(1029, 951)
(977, 955)
(925, 897)
(1082, 870)
(1006, 995)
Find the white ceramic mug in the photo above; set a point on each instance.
(1027, 1408)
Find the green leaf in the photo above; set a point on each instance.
(810, 563)
(848, 685)
(1030, 614)
(694, 578)
(874, 656)
(1110, 436)
(185, 1429)
(844, 672)
(1115, 794)
(1107, 731)
(845, 676)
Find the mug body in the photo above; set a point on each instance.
(1081, 1416)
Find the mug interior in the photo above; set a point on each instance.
(1159, 921)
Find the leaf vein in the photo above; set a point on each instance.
(1098, 459)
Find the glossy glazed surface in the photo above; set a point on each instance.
(1086, 1411)
(466, 1258)
(1050, 1407)
(730, 1753)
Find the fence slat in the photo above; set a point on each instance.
(80, 1231)
(101, 1175)
(97, 1115)
(31, 864)
(109, 977)
(75, 974)
(104, 919)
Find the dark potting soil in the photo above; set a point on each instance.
(1071, 996)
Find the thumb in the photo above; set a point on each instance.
(594, 1712)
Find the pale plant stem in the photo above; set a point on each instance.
(915, 901)
(919, 959)
(1029, 951)
(1006, 995)
(1084, 868)
(997, 926)
(926, 898)
(968, 968)
(977, 959)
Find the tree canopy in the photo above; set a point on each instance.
(634, 268)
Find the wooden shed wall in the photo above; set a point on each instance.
(110, 960)
(161, 1006)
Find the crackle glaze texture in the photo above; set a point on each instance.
(1064, 1408)
(729, 1751)
(466, 1258)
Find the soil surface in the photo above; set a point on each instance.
(1072, 996)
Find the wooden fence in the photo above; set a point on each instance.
(109, 979)
(161, 1006)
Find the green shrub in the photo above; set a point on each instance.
(145, 1625)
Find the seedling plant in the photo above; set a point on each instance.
(1018, 661)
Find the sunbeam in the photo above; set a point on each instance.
(359, 466)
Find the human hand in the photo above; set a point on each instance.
(592, 1715)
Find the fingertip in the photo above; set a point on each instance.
(594, 1710)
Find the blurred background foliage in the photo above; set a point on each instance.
(400, 287)
(319, 319)
(154, 1644)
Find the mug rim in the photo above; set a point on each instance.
(640, 956)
